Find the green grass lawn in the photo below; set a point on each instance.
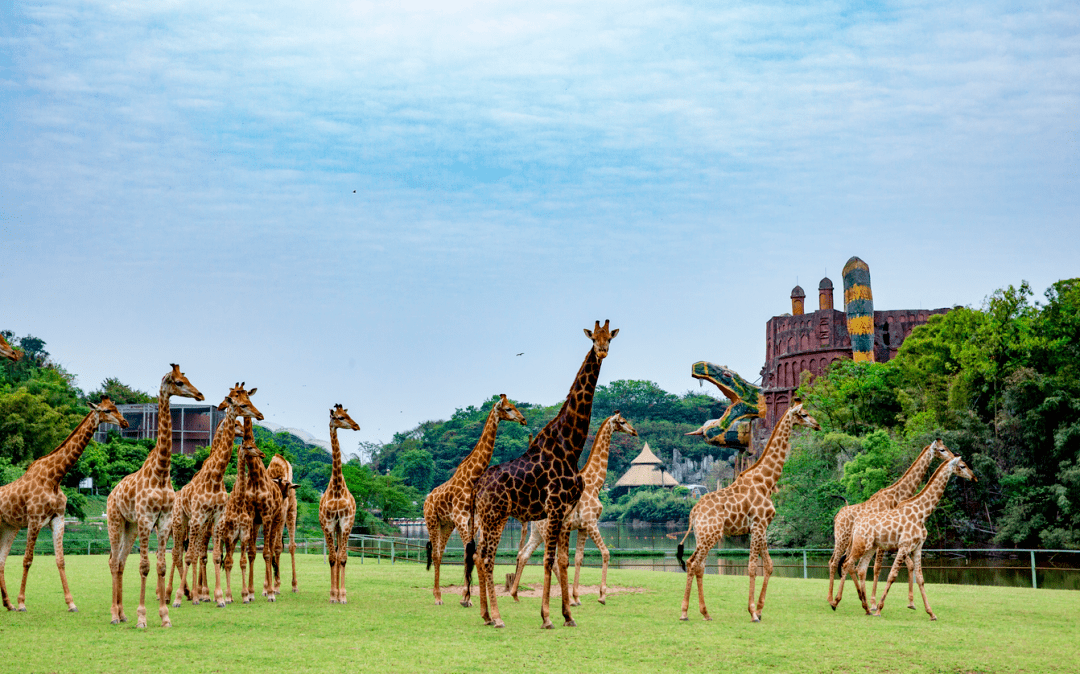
(392, 625)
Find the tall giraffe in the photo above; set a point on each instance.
(235, 525)
(142, 503)
(264, 496)
(902, 528)
(7, 351)
(35, 501)
(447, 506)
(883, 499)
(337, 508)
(280, 471)
(201, 502)
(743, 506)
(585, 517)
(542, 483)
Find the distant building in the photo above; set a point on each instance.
(645, 471)
(193, 426)
(812, 342)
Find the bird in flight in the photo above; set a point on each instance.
(522, 353)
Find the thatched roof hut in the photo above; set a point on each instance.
(645, 471)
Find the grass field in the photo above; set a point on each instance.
(392, 625)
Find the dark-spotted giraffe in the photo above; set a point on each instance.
(543, 483)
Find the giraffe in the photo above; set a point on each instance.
(902, 528)
(7, 351)
(544, 482)
(142, 504)
(337, 508)
(265, 497)
(447, 506)
(743, 506)
(280, 471)
(35, 501)
(585, 516)
(883, 499)
(235, 525)
(201, 502)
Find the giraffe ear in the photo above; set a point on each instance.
(93, 407)
(614, 332)
(252, 391)
(588, 333)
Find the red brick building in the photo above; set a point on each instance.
(810, 342)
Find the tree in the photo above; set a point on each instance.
(120, 393)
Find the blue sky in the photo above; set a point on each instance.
(380, 204)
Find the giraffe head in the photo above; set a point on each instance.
(800, 417)
(961, 469)
(107, 413)
(248, 449)
(339, 418)
(941, 451)
(175, 383)
(238, 428)
(7, 351)
(621, 425)
(241, 400)
(601, 337)
(506, 411)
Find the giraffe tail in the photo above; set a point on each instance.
(429, 555)
(679, 551)
(470, 548)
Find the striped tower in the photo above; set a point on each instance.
(859, 306)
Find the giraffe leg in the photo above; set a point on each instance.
(488, 544)
(841, 542)
(252, 538)
(268, 561)
(901, 555)
(579, 558)
(919, 578)
(605, 555)
(877, 574)
(435, 540)
(291, 523)
(7, 537)
(144, 571)
(195, 534)
(226, 554)
(525, 549)
(765, 579)
(28, 559)
(343, 559)
(757, 543)
(204, 548)
(563, 559)
(121, 539)
(695, 570)
(331, 557)
(180, 544)
(219, 596)
(58, 547)
(162, 595)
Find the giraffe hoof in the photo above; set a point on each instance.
(166, 624)
(498, 624)
(570, 623)
(911, 606)
(115, 621)
(176, 604)
(547, 626)
(755, 619)
(140, 625)
(21, 609)
(438, 602)
(575, 603)
(684, 619)
(602, 601)
(464, 604)
(294, 589)
(221, 604)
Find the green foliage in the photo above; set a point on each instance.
(1000, 386)
(29, 427)
(9, 472)
(651, 504)
(810, 492)
(415, 468)
(120, 393)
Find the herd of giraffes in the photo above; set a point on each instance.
(543, 487)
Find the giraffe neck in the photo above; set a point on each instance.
(159, 461)
(51, 468)
(909, 481)
(571, 426)
(771, 462)
(595, 469)
(923, 503)
(336, 476)
(241, 478)
(478, 459)
(213, 469)
(256, 471)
